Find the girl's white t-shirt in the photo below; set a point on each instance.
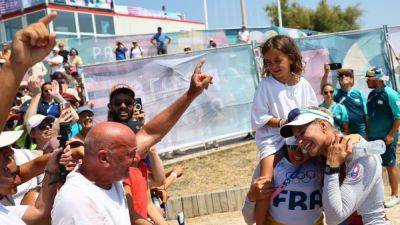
(274, 99)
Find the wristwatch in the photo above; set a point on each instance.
(331, 170)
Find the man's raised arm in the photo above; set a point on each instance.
(30, 45)
(160, 125)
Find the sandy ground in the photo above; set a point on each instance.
(224, 170)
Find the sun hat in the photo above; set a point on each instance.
(299, 117)
(9, 137)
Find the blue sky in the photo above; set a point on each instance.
(226, 13)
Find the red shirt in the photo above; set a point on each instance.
(138, 182)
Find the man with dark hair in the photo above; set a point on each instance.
(384, 121)
(64, 53)
(159, 40)
(353, 99)
(120, 51)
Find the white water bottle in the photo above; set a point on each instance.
(376, 147)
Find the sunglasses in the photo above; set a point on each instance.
(127, 102)
(292, 147)
(328, 92)
(344, 75)
(23, 89)
(46, 124)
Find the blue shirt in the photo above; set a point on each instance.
(356, 106)
(75, 130)
(120, 53)
(160, 39)
(44, 108)
(383, 109)
(339, 113)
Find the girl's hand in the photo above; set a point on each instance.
(260, 188)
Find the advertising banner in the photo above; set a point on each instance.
(221, 111)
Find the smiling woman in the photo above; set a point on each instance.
(316, 134)
(296, 190)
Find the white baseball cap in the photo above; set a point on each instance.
(35, 120)
(299, 117)
(9, 137)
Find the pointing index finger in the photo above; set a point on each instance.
(48, 18)
(199, 66)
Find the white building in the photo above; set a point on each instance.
(83, 18)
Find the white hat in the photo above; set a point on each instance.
(9, 137)
(56, 48)
(298, 117)
(35, 120)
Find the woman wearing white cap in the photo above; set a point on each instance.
(297, 193)
(362, 188)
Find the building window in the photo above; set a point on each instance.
(65, 22)
(34, 17)
(104, 24)
(85, 23)
(12, 26)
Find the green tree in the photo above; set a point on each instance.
(324, 18)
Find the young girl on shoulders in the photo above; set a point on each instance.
(281, 90)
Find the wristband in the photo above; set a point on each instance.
(331, 170)
(280, 123)
(174, 175)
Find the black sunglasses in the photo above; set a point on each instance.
(328, 92)
(291, 147)
(344, 75)
(127, 102)
(47, 123)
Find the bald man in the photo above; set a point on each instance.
(94, 193)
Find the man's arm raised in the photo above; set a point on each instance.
(30, 45)
(160, 125)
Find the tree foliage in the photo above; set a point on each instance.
(324, 18)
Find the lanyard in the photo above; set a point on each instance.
(285, 183)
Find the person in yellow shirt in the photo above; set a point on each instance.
(74, 58)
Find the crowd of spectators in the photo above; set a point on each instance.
(57, 166)
(50, 102)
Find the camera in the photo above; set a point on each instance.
(335, 66)
(138, 103)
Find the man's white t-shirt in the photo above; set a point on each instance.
(12, 214)
(57, 59)
(244, 36)
(80, 201)
(274, 99)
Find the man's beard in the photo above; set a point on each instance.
(114, 116)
